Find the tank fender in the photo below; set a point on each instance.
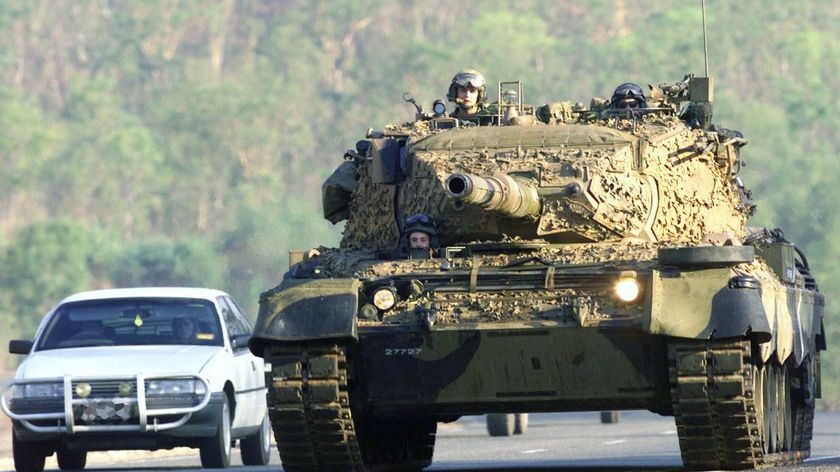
(806, 309)
(700, 305)
(305, 309)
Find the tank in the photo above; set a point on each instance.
(585, 259)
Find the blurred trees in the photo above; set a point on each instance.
(185, 142)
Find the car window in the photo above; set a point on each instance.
(237, 310)
(233, 322)
(131, 322)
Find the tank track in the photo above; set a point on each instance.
(309, 408)
(715, 410)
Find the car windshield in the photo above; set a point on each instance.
(132, 322)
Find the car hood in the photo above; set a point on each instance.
(117, 360)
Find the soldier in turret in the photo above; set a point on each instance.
(628, 95)
(468, 90)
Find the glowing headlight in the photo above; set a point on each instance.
(384, 298)
(172, 387)
(40, 390)
(627, 289)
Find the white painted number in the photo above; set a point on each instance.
(402, 352)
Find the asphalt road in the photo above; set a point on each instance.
(565, 442)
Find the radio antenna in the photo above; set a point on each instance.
(705, 45)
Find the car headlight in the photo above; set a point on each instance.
(39, 390)
(174, 387)
(384, 298)
(627, 288)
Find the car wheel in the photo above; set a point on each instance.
(256, 448)
(215, 450)
(71, 460)
(609, 417)
(501, 424)
(520, 423)
(28, 456)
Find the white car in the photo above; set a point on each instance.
(138, 368)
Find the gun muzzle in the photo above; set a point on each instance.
(513, 197)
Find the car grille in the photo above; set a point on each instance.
(106, 388)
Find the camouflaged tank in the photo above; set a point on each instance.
(589, 259)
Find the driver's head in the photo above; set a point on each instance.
(419, 240)
(184, 328)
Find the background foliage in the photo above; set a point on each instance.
(184, 142)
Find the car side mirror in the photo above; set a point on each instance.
(240, 341)
(20, 346)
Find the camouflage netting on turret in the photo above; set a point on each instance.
(653, 180)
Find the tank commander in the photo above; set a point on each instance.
(468, 90)
(628, 95)
(420, 236)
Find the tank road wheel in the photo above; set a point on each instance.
(732, 410)
(769, 418)
(521, 424)
(501, 424)
(404, 444)
(784, 418)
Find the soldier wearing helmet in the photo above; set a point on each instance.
(628, 95)
(420, 236)
(469, 91)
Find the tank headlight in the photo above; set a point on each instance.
(627, 289)
(384, 298)
(368, 312)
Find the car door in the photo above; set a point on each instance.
(249, 380)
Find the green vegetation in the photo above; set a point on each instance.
(184, 142)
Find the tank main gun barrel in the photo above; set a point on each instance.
(511, 196)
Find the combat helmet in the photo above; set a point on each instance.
(464, 78)
(420, 222)
(628, 91)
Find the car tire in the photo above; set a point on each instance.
(28, 456)
(215, 450)
(256, 448)
(501, 424)
(609, 417)
(520, 423)
(71, 460)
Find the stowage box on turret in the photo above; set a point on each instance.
(587, 259)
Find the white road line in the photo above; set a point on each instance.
(824, 458)
(617, 441)
(668, 432)
(533, 451)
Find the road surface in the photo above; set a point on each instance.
(565, 442)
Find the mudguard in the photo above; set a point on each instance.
(306, 309)
(700, 305)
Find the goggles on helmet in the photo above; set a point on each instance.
(469, 79)
(421, 218)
